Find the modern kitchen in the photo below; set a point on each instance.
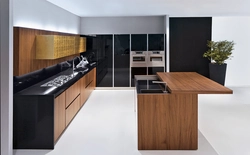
(135, 82)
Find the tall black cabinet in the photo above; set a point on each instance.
(121, 60)
(102, 47)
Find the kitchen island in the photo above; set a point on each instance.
(168, 119)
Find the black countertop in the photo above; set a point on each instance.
(55, 91)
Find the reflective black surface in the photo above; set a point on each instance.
(121, 60)
(137, 71)
(104, 58)
(149, 84)
(155, 42)
(36, 89)
(33, 122)
(153, 70)
(138, 42)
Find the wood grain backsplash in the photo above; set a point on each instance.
(25, 50)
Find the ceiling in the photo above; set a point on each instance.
(173, 8)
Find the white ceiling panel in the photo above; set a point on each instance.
(105, 8)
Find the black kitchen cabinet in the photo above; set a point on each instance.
(156, 42)
(137, 71)
(154, 70)
(104, 58)
(121, 60)
(138, 42)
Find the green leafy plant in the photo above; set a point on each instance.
(219, 51)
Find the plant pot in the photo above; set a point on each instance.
(217, 72)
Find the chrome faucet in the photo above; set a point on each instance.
(73, 64)
(161, 82)
(76, 66)
(65, 64)
(79, 58)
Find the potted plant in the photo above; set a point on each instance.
(218, 53)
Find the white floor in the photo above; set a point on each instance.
(106, 125)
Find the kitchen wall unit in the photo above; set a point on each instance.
(139, 42)
(25, 51)
(121, 60)
(119, 55)
(82, 45)
(104, 58)
(55, 46)
(156, 42)
(39, 120)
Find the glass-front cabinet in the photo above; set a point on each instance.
(121, 60)
(104, 56)
(155, 42)
(138, 42)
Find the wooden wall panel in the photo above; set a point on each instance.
(25, 51)
(167, 122)
(16, 51)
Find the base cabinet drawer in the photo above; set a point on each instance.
(59, 116)
(72, 92)
(84, 95)
(72, 110)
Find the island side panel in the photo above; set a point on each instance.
(167, 122)
(152, 122)
(182, 122)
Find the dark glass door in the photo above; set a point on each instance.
(104, 56)
(121, 60)
(138, 42)
(156, 42)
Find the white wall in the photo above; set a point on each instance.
(238, 30)
(41, 14)
(6, 76)
(122, 25)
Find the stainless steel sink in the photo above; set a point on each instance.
(60, 80)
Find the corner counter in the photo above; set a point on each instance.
(169, 120)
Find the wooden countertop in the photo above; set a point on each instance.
(191, 82)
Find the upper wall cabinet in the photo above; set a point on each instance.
(138, 42)
(156, 42)
(57, 46)
(82, 44)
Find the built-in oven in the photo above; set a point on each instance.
(138, 64)
(155, 62)
(156, 59)
(138, 59)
